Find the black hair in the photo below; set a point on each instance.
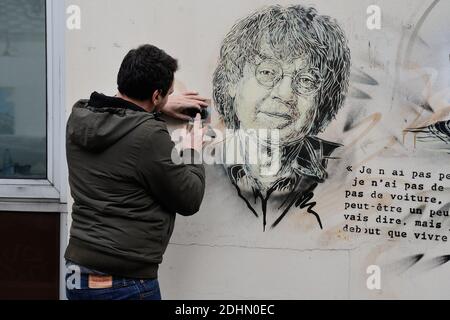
(145, 70)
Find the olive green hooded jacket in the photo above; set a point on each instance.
(125, 186)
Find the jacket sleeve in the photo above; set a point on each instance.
(177, 187)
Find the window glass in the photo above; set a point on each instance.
(23, 83)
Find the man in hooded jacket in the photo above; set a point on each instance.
(126, 186)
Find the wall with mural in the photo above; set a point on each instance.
(346, 103)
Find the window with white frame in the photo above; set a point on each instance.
(31, 100)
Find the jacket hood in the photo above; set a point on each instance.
(100, 122)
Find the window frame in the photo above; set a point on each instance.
(54, 188)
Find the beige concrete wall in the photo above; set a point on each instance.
(222, 252)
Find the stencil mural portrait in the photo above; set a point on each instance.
(285, 69)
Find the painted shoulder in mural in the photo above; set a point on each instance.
(283, 75)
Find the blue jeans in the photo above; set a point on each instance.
(120, 288)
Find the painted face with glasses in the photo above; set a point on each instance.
(278, 94)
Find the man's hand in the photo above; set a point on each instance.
(177, 105)
(194, 139)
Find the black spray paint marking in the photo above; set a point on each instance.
(302, 201)
(404, 264)
(432, 263)
(362, 77)
(359, 94)
(439, 261)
